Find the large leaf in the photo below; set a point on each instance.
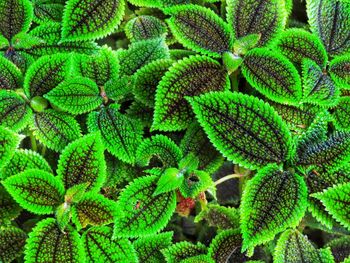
(141, 213)
(341, 114)
(12, 242)
(264, 17)
(189, 77)
(243, 128)
(47, 11)
(273, 75)
(75, 95)
(265, 213)
(99, 246)
(83, 161)
(47, 243)
(15, 17)
(37, 191)
(10, 75)
(183, 250)
(8, 143)
(339, 69)
(91, 19)
(330, 20)
(340, 248)
(55, 129)
(120, 134)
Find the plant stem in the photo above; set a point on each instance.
(226, 178)
(33, 142)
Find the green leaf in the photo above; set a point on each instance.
(22, 160)
(119, 88)
(141, 213)
(189, 77)
(146, 3)
(63, 215)
(9, 209)
(75, 95)
(15, 113)
(330, 21)
(263, 17)
(45, 74)
(25, 41)
(198, 259)
(9, 141)
(297, 44)
(15, 17)
(183, 250)
(272, 75)
(82, 161)
(336, 200)
(341, 113)
(242, 45)
(170, 180)
(89, 19)
(12, 240)
(99, 246)
(21, 59)
(318, 87)
(294, 247)
(243, 128)
(200, 29)
(195, 183)
(93, 209)
(47, 11)
(76, 193)
(10, 75)
(120, 134)
(36, 191)
(265, 214)
(149, 248)
(161, 147)
(339, 69)
(145, 27)
(140, 54)
(55, 129)
(340, 248)
(177, 54)
(47, 243)
(147, 79)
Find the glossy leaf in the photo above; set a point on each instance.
(9, 209)
(76, 95)
(141, 213)
(243, 128)
(99, 246)
(36, 191)
(339, 69)
(120, 134)
(340, 248)
(170, 180)
(340, 114)
(183, 250)
(10, 75)
(83, 161)
(55, 129)
(12, 242)
(263, 213)
(47, 11)
(8, 144)
(272, 75)
(189, 77)
(200, 29)
(263, 17)
(89, 19)
(47, 243)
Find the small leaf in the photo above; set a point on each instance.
(120, 134)
(340, 248)
(183, 250)
(265, 214)
(200, 29)
(330, 21)
(141, 213)
(272, 75)
(76, 95)
(149, 248)
(93, 209)
(195, 183)
(263, 17)
(47, 243)
(55, 129)
(83, 161)
(101, 247)
(76, 193)
(242, 45)
(37, 191)
(9, 209)
(341, 113)
(170, 180)
(243, 128)
(339, 69)
(10, 75)
(89, 19)
(9, 141)
(46, 11)
(63, 215)
(198, 259)
(189, 77)
(12, 240)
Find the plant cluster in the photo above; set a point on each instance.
(179, 131)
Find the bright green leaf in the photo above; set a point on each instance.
(341, 114)
(339, 69)
(9, 209)
(47, 11)
(183, 250)
(170, 180)
(10, 75)
(9, 141)
(340, 248)
(196, 182)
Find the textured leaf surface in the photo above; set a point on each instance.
(46, 11)
(120, 134)
(170, 180)
(190, 77)
(341, 113)
(141, 213)
(243, 128)
(10, 75)
(12, 241)
(183, 250)
(273, 75)
(76, 95)
(9, 209)
(339, 69)
(330, 20)
(340, 248)
(200, 29)
(195, 183)
(89, 19)
(55, 129)
(37, 191)
(264, 17)
(101, 247)
(8, 143)
(263, 213)
(47, 243)
(83, 161)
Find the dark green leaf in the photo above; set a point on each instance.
(46, 11)
(9, 141)
(341, 114)
(339, 69)
(12, 241)
(9, 209)
(10, 75)
(340, 248)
